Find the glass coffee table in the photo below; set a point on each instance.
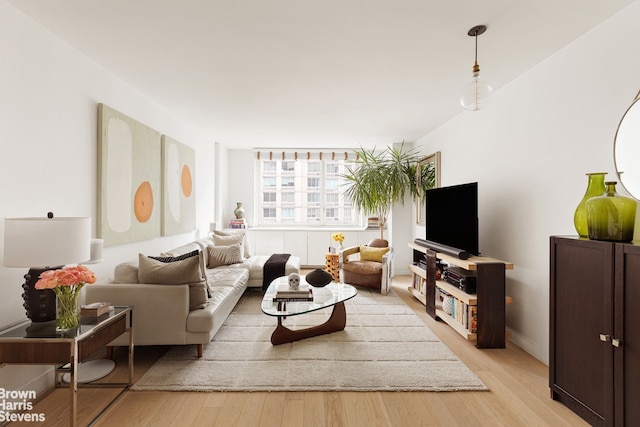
(333, 295)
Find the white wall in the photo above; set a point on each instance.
(241, 185)
(48, 135)
(530, 151)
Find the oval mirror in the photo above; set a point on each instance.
(626, 149)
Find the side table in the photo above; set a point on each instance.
(38, 343)
(332, 266)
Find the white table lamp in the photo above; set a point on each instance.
(41, 244)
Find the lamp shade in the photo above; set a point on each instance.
(43, 242)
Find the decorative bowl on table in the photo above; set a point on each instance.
(319, 278)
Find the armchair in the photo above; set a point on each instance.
(368, 266)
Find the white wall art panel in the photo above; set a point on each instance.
(128, 179)
(179, 200)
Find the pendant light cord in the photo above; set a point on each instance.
(476, 58)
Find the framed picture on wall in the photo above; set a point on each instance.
(178, 187)
(427, 177)
(128, 179)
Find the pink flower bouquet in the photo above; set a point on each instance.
(66, 283)
(68, 276)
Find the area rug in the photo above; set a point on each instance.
(384, 347)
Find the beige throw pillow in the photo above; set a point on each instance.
(126, 272)
(224, 255)
(175, 273)
(246, 247)
(170, 257)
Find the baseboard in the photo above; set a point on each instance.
(37, 378)
(42, 382)
(528, 346)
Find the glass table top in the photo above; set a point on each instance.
(47, 330)
(324, 297)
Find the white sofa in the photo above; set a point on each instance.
(162, 314)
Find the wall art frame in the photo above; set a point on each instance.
(178, 187)
(427, 176)
(129, 186)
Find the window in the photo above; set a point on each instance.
(332, 198)
(332, 214)
(333, 168)
(332, 184)
(288, 166)
(313, 214)
(303, 192)
(288, 181)
(313, 198)
(288, 213)
(314, 167)
(288, 197)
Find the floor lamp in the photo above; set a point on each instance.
(42, 244)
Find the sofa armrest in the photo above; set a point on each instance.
(159, 311)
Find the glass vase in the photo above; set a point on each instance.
(595, 187)
(67, 308)
(611, 216)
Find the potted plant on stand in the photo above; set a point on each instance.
(381, 179)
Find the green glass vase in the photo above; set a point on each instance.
(611, 216)
(595, 187)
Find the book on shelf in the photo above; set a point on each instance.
(473, 319)
(461, 312)
(419, 283)
(94, 309)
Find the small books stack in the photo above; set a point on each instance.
(285, 293)
(94, 309)
(238, 223)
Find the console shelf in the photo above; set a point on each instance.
(477, 317)
(459, 328)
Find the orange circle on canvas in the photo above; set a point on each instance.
(143, 202)
(186, 181)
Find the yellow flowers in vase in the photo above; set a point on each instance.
(338, 237)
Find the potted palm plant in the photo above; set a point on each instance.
(381, 179)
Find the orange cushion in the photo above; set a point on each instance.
(368, 253)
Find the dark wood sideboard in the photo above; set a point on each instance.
(594, 360)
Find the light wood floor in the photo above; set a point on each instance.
(518, 396)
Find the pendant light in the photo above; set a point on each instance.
(477, 93)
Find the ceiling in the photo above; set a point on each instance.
(331, 73)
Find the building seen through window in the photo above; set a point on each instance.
(304, 193)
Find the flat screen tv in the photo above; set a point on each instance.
(452, 216)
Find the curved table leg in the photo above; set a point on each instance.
(335, 323)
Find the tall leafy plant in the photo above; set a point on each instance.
(380, 179)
